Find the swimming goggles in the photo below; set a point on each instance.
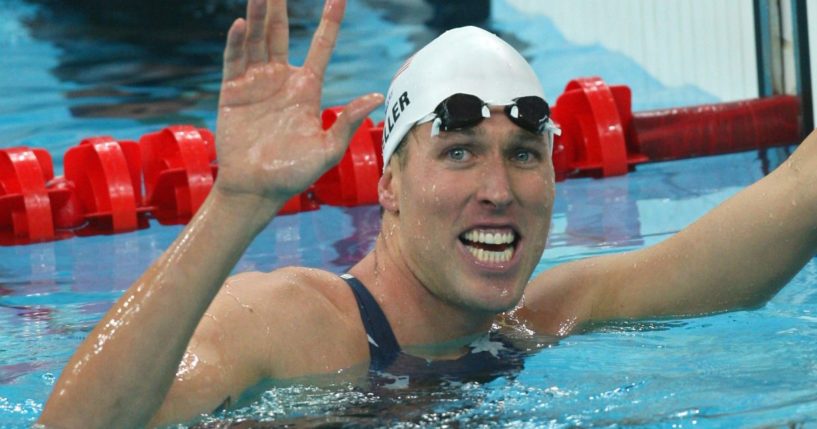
(460, 111)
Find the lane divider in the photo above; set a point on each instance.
(603, 137)
(101, 191)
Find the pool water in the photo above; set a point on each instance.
(68, 73)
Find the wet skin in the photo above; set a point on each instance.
(466, 220)
(493, 178)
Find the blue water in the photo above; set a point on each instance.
(66, 74)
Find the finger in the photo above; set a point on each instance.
(256, 40)
(278, 31)
(349, 120)
(323, 42)
(234, 52)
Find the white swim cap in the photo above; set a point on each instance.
(466, 60)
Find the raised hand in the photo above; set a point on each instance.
(270, 146)
(269, 138)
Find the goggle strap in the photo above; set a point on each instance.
(435, 126)
(551, 127)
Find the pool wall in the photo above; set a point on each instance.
(729, 50)
(709, 44)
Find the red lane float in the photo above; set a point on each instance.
(25, 206)
(303, 202)
(66, 208)
(714, 129)
(101, 190)
(353, 181)
(106, 178)
(594, 118)
(178, 171)
(602, 137)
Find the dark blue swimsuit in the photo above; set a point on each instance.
(490, 357)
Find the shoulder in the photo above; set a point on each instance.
(305, 294)
(307, 319)
(297, 286)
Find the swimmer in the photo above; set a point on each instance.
(467, 193)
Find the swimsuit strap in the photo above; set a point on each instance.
(383, 346)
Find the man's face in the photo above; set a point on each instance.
(474, 210)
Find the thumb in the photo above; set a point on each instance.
(350, 118)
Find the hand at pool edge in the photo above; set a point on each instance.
(269, 138)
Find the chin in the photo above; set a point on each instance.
(493, 299)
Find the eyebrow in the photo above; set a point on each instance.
(525, 137)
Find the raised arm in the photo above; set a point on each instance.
(737, 256)
(270, 146)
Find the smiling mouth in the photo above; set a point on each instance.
(490, 246)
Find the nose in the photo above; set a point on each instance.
(494, 190)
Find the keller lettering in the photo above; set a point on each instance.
(394, 113)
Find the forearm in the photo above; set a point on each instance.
(745, 251)
(120, 374)
(269, 142)
(737, 256)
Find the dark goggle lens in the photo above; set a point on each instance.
(459, 111)
(530, 113)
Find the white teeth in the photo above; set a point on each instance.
(490, 238)
(489, 256)
(479, 236)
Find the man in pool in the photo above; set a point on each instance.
(467, 193)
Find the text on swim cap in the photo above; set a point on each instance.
(394, 113)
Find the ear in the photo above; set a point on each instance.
(388, 187)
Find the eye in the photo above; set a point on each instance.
(525, 156)
(458, 154)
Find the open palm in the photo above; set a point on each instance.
(269, 138)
